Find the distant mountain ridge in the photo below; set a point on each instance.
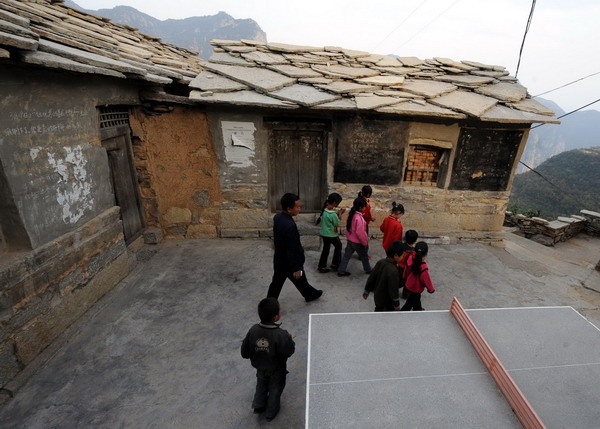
(578, 130)
(575, 177)
(193, 33)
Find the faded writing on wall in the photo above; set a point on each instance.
(34, 122)
(73, 192)
(239, 143)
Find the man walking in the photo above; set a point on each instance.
(288, 261)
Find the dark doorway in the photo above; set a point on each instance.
(297, 165)
(117, 142)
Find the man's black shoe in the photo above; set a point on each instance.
(317, 295)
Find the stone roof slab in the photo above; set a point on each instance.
(532, 106)
(293, 71)
(372, 102)
(282, 47)
(340, 71)
(421, 109)
(467, 102)
(305, 95)
(427, 88)
(242, 98)
(57, 62)
(341, 104)
(263, 79)
(467, 80)
(207, 81)
(410, 61)
(225, 58)
(505, 114)
(504, 91)
(345, 87)
(382, 80)
(265, 57)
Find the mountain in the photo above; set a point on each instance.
(192, 33)
(578, 130)
(575, 177)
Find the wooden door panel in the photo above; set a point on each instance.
(124, 185)
(284, 166)
(310, 170)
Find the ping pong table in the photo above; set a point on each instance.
(419, 369)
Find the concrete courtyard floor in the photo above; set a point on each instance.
(162, 349)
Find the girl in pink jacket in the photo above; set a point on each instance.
(416, 276)
(357, 238)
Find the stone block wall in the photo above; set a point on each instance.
(435, 212)
(549, 233)
(45, 290)
(177, 170)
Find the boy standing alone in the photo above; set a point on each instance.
(268, 347)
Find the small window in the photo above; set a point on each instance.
(423, 165)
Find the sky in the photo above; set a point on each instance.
(561, 45)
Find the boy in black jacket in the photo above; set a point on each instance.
(385, 280)
(268, 347)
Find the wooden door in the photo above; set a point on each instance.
(116, 141)
(297, 165)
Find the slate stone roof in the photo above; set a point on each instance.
(52, 35)
(276, 75)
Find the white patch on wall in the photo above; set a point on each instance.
(238, 140)
(73, 191)
(33, 152)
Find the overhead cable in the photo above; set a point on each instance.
(567, 84)
(398, 26)
(572, 111)
(525, 35)
(427, 25)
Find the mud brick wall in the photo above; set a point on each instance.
(43, 291)
(177, 170)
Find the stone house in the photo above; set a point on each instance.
(441, 137)
(98, 143)
(108, 134)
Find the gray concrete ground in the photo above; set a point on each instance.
(161, 350)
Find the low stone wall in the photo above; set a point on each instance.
(45, 290)
(549, 233)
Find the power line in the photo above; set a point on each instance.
(398, 26)
(572, 111)
(524, 36)
(426, 25)
(567, 84)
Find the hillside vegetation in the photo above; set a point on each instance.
(575, 173)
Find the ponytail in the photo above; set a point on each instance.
(331, 199)
(357, 204)
(421, 249)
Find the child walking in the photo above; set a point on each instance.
(330, 222)
(385, 280)
(408, 249)
(391, 226)
(357, 239)
(416, 275)
(268, 347)
(365, 194)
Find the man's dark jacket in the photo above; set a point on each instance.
(289, 254)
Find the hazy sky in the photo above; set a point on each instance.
(561, 46)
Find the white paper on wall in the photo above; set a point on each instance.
(238, 140)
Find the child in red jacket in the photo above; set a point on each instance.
(391, 226)
(416, 275)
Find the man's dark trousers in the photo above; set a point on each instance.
(279, 277)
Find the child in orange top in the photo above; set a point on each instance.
(391, 226)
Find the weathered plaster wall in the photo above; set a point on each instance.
(177, 167)
(51, 157)
(64, 238)
(243, 173)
